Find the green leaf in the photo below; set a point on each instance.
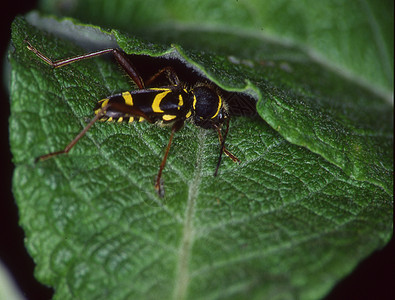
(353, 38)
(300, 211)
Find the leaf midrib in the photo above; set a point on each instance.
(182, 277)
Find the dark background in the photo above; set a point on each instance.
(374, 278)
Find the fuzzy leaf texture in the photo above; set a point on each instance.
(311, 198)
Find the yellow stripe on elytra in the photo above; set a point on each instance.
(158, 98)
(180, 101)
(103, 102)
(128, 98)
(168, 117)
(194, 102)
(219, 106)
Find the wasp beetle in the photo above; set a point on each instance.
(172, 104)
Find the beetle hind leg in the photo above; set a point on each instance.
(223, 148)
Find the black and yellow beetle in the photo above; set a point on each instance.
(173, 104)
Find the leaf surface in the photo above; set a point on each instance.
(311, 198)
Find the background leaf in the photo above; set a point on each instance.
(353, 38)
(285, 220)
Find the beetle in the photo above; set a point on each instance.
(200, 102)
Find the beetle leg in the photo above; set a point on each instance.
(118, 54)
(223, 149)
